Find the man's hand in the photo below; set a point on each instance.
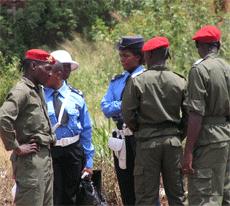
(87, 172)
(26, 149)
(187, 163)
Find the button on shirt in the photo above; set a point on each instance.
(111, 102)
(78, 119)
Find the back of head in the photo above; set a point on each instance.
(158, 47)
(209, 35)
(155, 43)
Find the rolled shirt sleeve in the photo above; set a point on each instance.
(130, 105)
(196, 92)
(110, 106)
(8, 114)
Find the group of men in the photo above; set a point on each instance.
(154, 110)
(47, 167)
(161, 109)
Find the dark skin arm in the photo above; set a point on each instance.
(26, 149)
(193, 131)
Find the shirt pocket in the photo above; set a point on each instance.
(53, 118)
(201, 182)
(74, 119)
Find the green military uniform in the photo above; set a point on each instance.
(23, 117)
(209, 96)
(151, 106)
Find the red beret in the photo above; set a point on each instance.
(39, 55)
(207, 34)
(155, 43)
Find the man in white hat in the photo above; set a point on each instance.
(73, 152)
(65, 58)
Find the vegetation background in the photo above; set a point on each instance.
(89, 29)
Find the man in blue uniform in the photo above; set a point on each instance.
(73, 152)
(131, 59)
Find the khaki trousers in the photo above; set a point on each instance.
(34, 178)
(210, 185)
(155, 156)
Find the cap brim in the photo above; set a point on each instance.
(74, 65)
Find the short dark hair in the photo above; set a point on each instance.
(25, 63)
(162, 52)
(211, 45)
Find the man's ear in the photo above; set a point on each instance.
(33, 65)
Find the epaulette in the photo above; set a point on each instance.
(137, 73)
(77, 91)
(198, 62)
(180, 75)
(118, 76)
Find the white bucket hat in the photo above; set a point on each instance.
(64, 57)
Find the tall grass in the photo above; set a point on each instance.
(98, 63)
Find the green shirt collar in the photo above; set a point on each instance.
(211, 55)
(158, 68)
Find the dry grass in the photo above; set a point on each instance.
(6, 180)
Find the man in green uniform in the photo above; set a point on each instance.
(151, 107)
(207, 151)
(25, 129)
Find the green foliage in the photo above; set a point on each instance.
(9, 74)
(45, 23)
(41, 23)
(177, 20)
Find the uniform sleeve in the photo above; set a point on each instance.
(130, 105)
(86, 136)
(109, 106)
(9, 111)
(196, 92)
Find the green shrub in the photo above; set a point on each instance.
(9, 74)
(177, 20)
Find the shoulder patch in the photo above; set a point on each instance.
(137, 73)
(77, 91)
(180, 75)
(198, 62)
(118, 76)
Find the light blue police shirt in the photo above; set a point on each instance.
(79, 122)
(111, 102)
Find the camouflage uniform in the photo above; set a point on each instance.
(209, 96)
(151, 105)
(23, 117)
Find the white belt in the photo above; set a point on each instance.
(67, 141)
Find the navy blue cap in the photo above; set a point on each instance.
(130, 42)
